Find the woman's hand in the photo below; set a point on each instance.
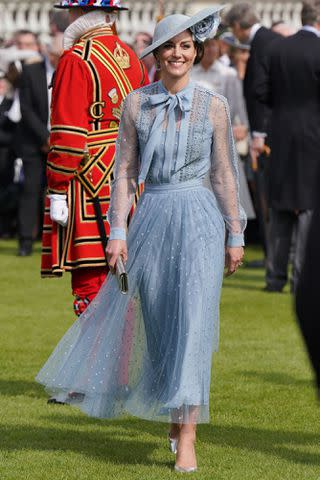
(114, 250)
(240, 132)
(233, 259)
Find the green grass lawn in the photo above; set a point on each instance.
(264, 416)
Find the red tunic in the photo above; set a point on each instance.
(91, 81)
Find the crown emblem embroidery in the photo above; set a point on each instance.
(122, 57)
(113, 95)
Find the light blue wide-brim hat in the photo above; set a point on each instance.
(203, 25)
(231, 40)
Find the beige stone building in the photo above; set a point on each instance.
(33, 14)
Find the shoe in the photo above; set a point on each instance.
(185, 470)
(25, 248)
(173, 442)
(271, 289)
(54, 401)
(79, 397)
(24, 252)
(180, 469)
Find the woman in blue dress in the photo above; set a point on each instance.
(149, 353)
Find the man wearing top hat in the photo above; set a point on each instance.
(94, 75)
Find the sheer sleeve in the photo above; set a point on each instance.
(126, 169)
(224, 172)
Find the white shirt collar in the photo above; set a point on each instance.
(311, 29)
(253, 31)
(49, 67)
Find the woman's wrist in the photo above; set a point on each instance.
(235, 240)
(117, 233)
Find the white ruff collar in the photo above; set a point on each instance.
(85, 23)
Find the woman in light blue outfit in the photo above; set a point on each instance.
(149, 353)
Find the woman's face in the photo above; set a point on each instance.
(211, 51)
(177, 55)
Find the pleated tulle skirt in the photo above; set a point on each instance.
(149, 353)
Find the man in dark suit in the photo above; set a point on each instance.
(290, 86)
(8, 193)
(246, 27)
(307, 295)
(33, 138)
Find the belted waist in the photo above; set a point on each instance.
(172, 187)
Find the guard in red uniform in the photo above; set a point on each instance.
(94, 75)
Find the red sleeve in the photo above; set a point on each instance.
(71, 96)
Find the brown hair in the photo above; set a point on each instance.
(310, 13)
(200, 52)
(242, 13)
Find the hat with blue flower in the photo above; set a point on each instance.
(110, 5)
(203, 25)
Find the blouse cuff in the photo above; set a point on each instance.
(235, 240)
(118, 234)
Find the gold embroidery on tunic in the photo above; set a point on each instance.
(116, 112)
(122, 57)
(96, 111)
(113, 95)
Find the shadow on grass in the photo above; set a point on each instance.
(248, 277)
(277, 378)
(242, 286)
(14, 388)
(291, 446)
(288, 445)
(245, 280)
(10, 247)
(103, 445)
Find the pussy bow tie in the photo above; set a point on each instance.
(171, 101)
(165, 103)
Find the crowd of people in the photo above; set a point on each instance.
(216, 122)
(26, 69)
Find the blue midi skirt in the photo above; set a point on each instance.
(149, 353)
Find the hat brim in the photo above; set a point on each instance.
(108, 9)
(198, 17)
(232, 43)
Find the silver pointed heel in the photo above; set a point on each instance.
(185, 470)
(173, 442)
